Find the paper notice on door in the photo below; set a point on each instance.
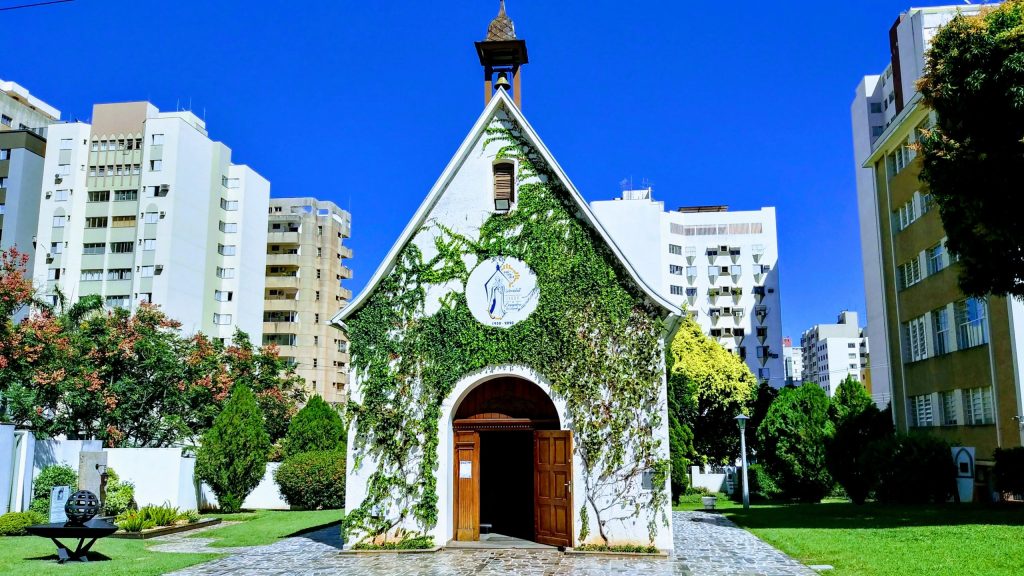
(465, 468)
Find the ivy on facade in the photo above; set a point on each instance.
(594, 335)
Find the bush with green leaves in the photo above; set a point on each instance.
(1009, 470)
(164, 515)
(858, 424)
(232, 458)
(15, 523)
(134, 521)
(313, 480)
(50, 477)
(793, 436)
(912, 469)
(317, 427)
(120, 496)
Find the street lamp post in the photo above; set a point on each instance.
(741, 421)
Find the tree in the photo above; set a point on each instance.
(851, 398)
(858, 426)
(793, 436)
(973, 157)
(232, 458)
(709, 387)
(764, 395)
(317, 427)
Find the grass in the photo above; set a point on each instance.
(31, 555)
(880, 540)
(267, 526)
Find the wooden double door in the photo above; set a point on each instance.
(552, 486)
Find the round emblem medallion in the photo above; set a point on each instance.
(502, 292)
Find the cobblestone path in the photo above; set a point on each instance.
(705, 544)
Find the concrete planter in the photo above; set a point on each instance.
(709, 502)
(165, 530)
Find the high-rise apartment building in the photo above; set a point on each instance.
(954, 365)
(305, 270)
(23, 122)
(720, 266)
(142, 206)
(793, 362)
(833, 352)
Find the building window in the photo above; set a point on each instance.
(6, 120)
(228, 227)
(223, 295)
(5, 153)
(225, 273)
(147, 271)
(61, 195)
(94, 248)
(156, 165)
(119, 301)
(229, 205)
(99, 196)
(736, 270)
(971, 328)
(91, 275)
(119, 274)
(123, 221)
(96, 222)
(762, 373)
(673, 269)
(921, 410)
(58, 221)
(122, 247)
(675, 249)
(56, 247)
(151, 218)
(916, 347)
(148, 244)
(937, 258)
(158, 139)
(940, 328)
(947, 404)
(222, 319)
(910, 273)
(978, 406)
(126, 195)
(226, 249)
(691, 292)
(676, 290)
(504, 186)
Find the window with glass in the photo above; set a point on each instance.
(229, 227)
(126, 195)
(226, 249)
(225, 272)
(151, 218)
(910, 273)
(92, 275)
(673, 269)
(971, 326)
(123, 221)
(99, 196)
(978, 406)
(947, 403)
(122, 247)
(61, 195)
(675, 249)
(119, 301)
(119, 274)
(94, 248)
(228, 205)
(147, 271)
(96, 222)
(921, 410)
(915, 346)
(148, 244)
(940, 329)
(58, 221)
(936, 258)
(222, 319)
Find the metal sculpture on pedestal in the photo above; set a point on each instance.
(82, 506)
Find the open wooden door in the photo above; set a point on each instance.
(552, 487)
(467, 486)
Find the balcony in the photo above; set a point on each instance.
(345, 272)
(282, 237)
(345, 251)
(282, 282)
(281, 259)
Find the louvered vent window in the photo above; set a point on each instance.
(504, 186)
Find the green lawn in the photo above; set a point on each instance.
(31, 555)
(883, 540)
(267, 526)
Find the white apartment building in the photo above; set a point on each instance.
(20, 110)
(833, 352)
(879, 99)
(142, 206)
(720, 266)
(793, 360)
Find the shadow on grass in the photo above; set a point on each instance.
(847, 516)
(92, 556)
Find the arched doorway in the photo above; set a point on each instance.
(513, 464)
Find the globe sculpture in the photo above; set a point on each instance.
(82, 506)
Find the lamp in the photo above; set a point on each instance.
(741, 421)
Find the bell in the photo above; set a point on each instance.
(503, 81)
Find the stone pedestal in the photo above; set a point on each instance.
(91, 465)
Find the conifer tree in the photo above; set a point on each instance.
(233, 456)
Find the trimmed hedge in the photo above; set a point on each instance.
(53, 475)
(316, 427)
(15, 523)
(1009, 470)
(313, 480)
(911, 469)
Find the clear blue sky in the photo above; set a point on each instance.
(364, 103)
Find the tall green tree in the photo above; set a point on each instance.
(974, 156)
(851, 398)
(232, 457)
(317, 427)
(858, 424)
(793, 437)
(708, 387)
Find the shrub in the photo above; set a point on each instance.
(846, 452)
(190, 516)
(317, 427)
(232, 458)
(914, 469)
(793, 436)
(416, 543)
(165, 515)
(15, 523)
(120, 495)
(762, 486)
(680, 442)
(1009, 470)
(313, 480)
(133, 521)
(49, 477)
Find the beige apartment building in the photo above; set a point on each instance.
(305, 270)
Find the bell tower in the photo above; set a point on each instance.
(502, 56)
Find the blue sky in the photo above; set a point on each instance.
(364, 103)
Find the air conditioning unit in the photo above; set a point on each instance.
(48, 194)
(163, 214)
(159, 268)
(723, 249)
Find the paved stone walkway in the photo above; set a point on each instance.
(705, 544)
